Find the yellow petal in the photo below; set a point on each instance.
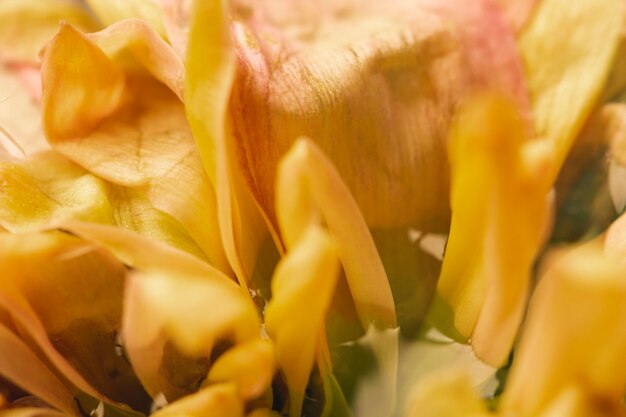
(493, 240)
(125, 130)
(31, 412)
(249, 365)
(128, 128)
(216, 401)
(145, 45)
(573, 334)
(172, 299)
(20, 365)
(445, 394)
(310, 191)
(112, 11)
(560, 68)
(65, 296)
(302, 289)
(41, 18)
(47, 190)
(210, 68)
(81, 86)
(575, 402)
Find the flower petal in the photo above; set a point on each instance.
(249, 365)
(42, 18)
(112, 11)
(64, 295)
(216, 401)
(47, 190)
(210, 72)
(572, 336)
(302, 289)
(375, 86)
(20, 365)
(163, 306)
(310, 190)
(560, 68)
(446, 394)
(486, 273)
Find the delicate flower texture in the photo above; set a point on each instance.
(329, 208)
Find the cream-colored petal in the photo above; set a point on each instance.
(19, 118)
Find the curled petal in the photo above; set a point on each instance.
(124, 126)
(147, 47)
(210, 68)
(311, 191)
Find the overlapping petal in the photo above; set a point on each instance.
(493, 241)
(64, 296)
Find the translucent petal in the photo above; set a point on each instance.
(47, 190)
